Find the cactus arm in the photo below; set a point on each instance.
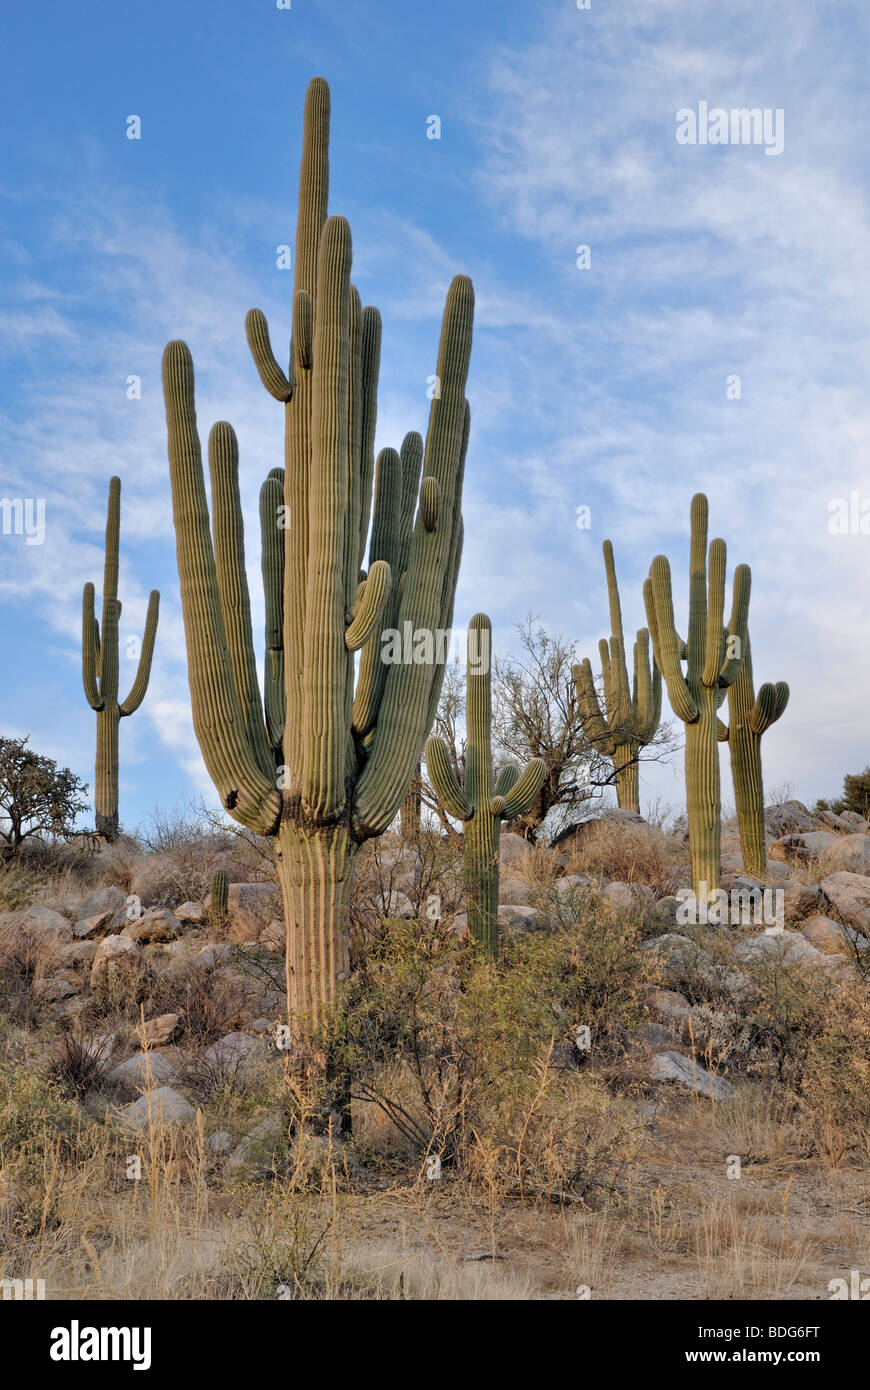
(478, 712)
(272, 565)
(427, 592)
(232, 583)
(451, 574)
(245, 792)
(646, 716)
(738, 626)
(411, 458)
(612, 591)
(666, 642)
(368, 609)
(111, 606)
(715, 615)
(271, 375)
(524, 790)
(591, 717)
(769, 706)
(353, 505)
(444, 780)
(143, 670)
(696, 640)
(313, 185)
(324, 678)
(722, 731)
(370, 366)
(90, 650)
(506, 778)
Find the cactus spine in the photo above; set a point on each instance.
(632, 714)
(748, 718)
(327, 765)
(100, 669)
(483, 803)
(714, 656)
(219, 898)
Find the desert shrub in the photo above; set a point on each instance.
(208, 1001)
(39, 1130)
(429, 868)
(78, 1064)
(19, 963)
(17, 887)
(631, 854)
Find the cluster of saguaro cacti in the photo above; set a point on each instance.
(328, 763)
(483, 802)
(218, 898)
(714, 656)
(748, 718)
(631, 712)
(100, 669)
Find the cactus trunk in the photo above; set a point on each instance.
(748, 719)
(627, 777)
(315, 871)
(106, 790)
(411, 809)
(703, 799)
(482, 878)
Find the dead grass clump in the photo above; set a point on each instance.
(631, 854)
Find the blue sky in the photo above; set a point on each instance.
(603, 387)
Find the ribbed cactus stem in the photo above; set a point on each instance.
(748, 719)
(482, 803)
(100, 669)
(219, 897)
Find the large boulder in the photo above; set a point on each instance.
(675, 1066)
(157, 1032)
(810, 844)
(191, 914)
(144, 1071)
(157, 924)
(102, 912)
(514, 890)
(850, 852)
(832, 938)
(232, 1053)
(787, 818)
(160, 1107)
(800, 900)
(517, 917)
(627, 897)
(848, 895)
(119, 965)
(512, 850)
(782, 947)
(42, 925)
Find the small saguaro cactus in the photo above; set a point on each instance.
(714, 656)
(217, 903)
(748, 718)
(483, 803)
(631, 714)
(325, 760)
(100, 669)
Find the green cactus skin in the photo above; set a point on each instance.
(748, 718)
(100, 670)
(483, 803)
(217, 907)
(632, 715)
(714, 656)
(321, 764)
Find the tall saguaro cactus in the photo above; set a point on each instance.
(714, 656)
(327, 765)
(748, 718)
(100, 669)
(483, 803)
(631, 713)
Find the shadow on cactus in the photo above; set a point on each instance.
(325, 762)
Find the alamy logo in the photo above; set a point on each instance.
(23, 516)
(75, 1343)
(852, 1288)
(22, 1290)
(742, 907)
(741, 125)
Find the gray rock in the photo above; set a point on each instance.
(157, 924)
(674, 1066)
(161, 1107)
(104, 911)
(800, 900)
(234, 1051)
(514, 890)
(832, 938)
(219, 1143)
(787, 946)
(214, 954)
(850, 852)
(787, 818)
(516, 917)
(42, 925)
(191, 914)
(800, 848)
(54, 988)
(628, 897)
(848, 894)
(118, 961)
(144, 1071)
(250, 907)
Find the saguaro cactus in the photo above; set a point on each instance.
(483, 803)
(327, 766)
(714, 656)
(100, 669)
(748, 718)
(219, 897)
(632, 714)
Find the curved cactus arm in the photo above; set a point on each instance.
(271, 375)
(90, 650)
(715, 635)
(737, 627)
(722, 731)
(322, 773)
(245, 791)
(769, 706)
(507, 776)
(648, 686)
(659, 600)
(622, 721)
(525, 789)
(232, 582)
(272, 565)
(445, 781)
(429, 584)
(589, 709)
(371, 600)
(451, 574)
(143, 670)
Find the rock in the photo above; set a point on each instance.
(163, 1106)
(155, 881)
(849, 896)
(628, 897)
(264, 1026)
(512, 850)
(665, 909)
(570, 885)
(78, 953)
(670, 1007)
(250, 907)
(142, 1072)
(99, 1046)
(800, 848)
(262, 1141)
(674, 1066)
(459, 925)
(394, 903)
(517, 917)
(157, 1032)
(514, 890)
(787, 818)
(54, 988)
(191, 914)
(833, 939)
(857, 824)
(232, 1053)
(850, 852)
(102, 912)
(42, 925)
(219, 1143)
(274, 936)
(572, 836)
(680, 959)
(214, 954)
(119, 963)
(789, 947)
(800, 900)
(157, 924)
